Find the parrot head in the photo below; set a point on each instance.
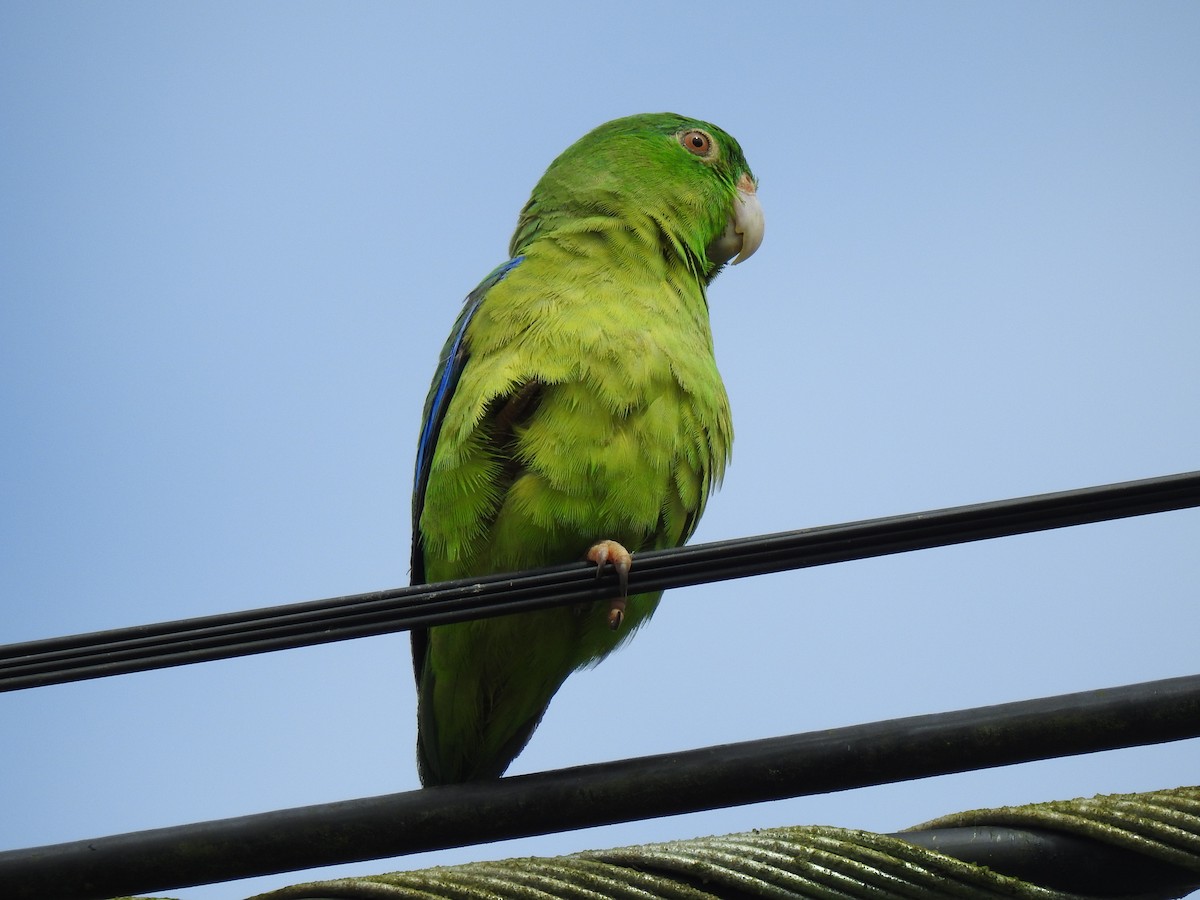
(683, 178)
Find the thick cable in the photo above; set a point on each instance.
(606, 793)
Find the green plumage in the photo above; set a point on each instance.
(578, 400)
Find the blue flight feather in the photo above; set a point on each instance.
(450, 366)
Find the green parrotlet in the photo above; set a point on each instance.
(576, 413)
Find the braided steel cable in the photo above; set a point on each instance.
(1122, 847)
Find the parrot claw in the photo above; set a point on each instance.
(604, 552)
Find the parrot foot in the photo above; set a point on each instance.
(604, 552)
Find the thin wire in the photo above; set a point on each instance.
(140, 648)
(606, 793)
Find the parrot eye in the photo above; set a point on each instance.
(697, 142)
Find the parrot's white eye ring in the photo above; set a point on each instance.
(697, 142)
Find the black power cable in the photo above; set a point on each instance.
(1059, 861)
(124, 650)
(619, 791)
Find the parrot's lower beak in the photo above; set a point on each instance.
(743, 232)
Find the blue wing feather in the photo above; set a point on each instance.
(450, 365)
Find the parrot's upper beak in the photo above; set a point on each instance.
(748, 218)
(744, 231)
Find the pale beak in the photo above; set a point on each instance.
(744, 232)
(748, 218)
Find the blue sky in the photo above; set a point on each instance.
(234, 237)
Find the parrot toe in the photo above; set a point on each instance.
(610, 552)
